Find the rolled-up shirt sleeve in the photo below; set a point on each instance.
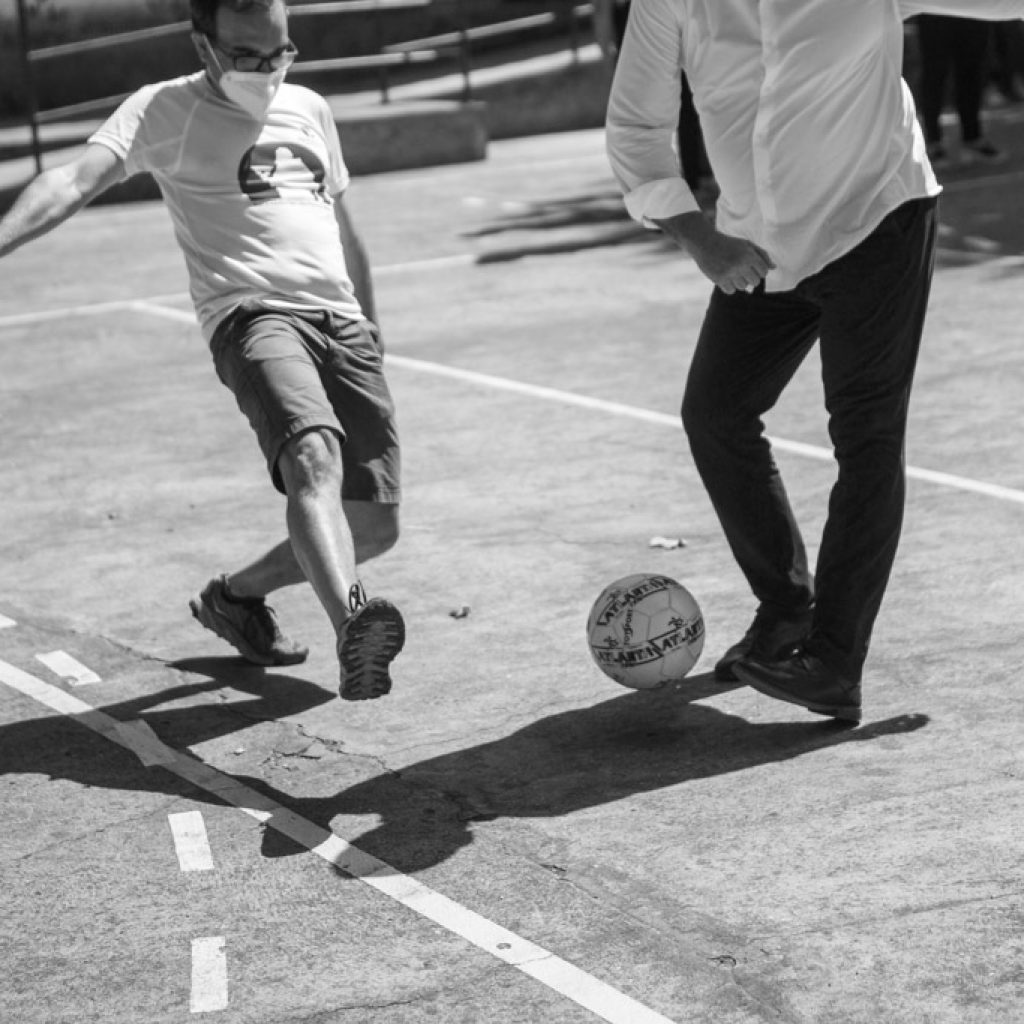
(643, 114)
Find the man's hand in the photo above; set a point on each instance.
(733, 264)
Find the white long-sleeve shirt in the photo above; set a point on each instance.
(809, 127)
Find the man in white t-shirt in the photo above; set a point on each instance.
(252, 172)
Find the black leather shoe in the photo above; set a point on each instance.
(804, 679)
(768, 639)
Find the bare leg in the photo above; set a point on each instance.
(319, 538)
(273, 570)
(373, 529)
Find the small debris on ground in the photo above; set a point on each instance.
(460, 613)
(669, 543)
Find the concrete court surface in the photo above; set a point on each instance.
(530, 841)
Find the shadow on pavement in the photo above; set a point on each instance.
(632, 744)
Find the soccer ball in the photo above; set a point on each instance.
(645, 631)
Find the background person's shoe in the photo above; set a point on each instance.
(938, 157)
(804, 679)
(247, 623)
(981, 151)
(367, 644)
(768, 638)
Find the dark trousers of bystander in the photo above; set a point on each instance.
(960, 46)
(868, 309)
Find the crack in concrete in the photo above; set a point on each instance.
(859, 923)
(472, 981)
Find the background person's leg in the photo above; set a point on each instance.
(969, 58)
(935, 49)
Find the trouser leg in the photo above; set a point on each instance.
(969, 65)
(749, 348)
(873, 303)
(936, 43)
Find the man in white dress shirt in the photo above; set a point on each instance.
(825, 231)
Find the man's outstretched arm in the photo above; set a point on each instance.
(56, 194)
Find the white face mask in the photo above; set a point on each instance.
(253, 91)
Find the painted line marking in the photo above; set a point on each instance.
(809, 451)
(6, 623)
(61, 663)
(154, 303)
(209, 975)
(990, 181)
(535, 961)
(190, 841)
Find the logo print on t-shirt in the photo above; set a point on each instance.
(282, 170)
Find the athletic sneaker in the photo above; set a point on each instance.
(367, 644)
(247, 623)
(938, 157)
(981, 151)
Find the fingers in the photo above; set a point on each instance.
(748, 269)
(733, 264)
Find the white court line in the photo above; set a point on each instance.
(6, 623)
(809, 451)
(190, 841)
(991, 181)
(61, 664)
(152, 303)
(209, 975)
(535, 961)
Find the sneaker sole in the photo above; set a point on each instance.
(844, 712)
(223, 627)
(373, 640)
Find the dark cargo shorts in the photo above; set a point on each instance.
(292, 372)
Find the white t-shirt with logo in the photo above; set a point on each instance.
(252, 203)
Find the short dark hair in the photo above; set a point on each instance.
(204, 12)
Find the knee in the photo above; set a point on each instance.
(702, 421)
(311, 463)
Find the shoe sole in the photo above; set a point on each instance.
(844, 712)
(224, 628)
(372, 641)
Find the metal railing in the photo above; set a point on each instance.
(456, 44)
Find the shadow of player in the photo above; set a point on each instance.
(632, 744)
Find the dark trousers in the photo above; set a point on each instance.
(867, 309)
(959, 45)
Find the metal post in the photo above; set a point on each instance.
(382, 70)
(574, 35)
(30, 84)
(464, 63)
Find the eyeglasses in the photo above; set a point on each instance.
(282, 57)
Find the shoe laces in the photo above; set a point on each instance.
(261, 617)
